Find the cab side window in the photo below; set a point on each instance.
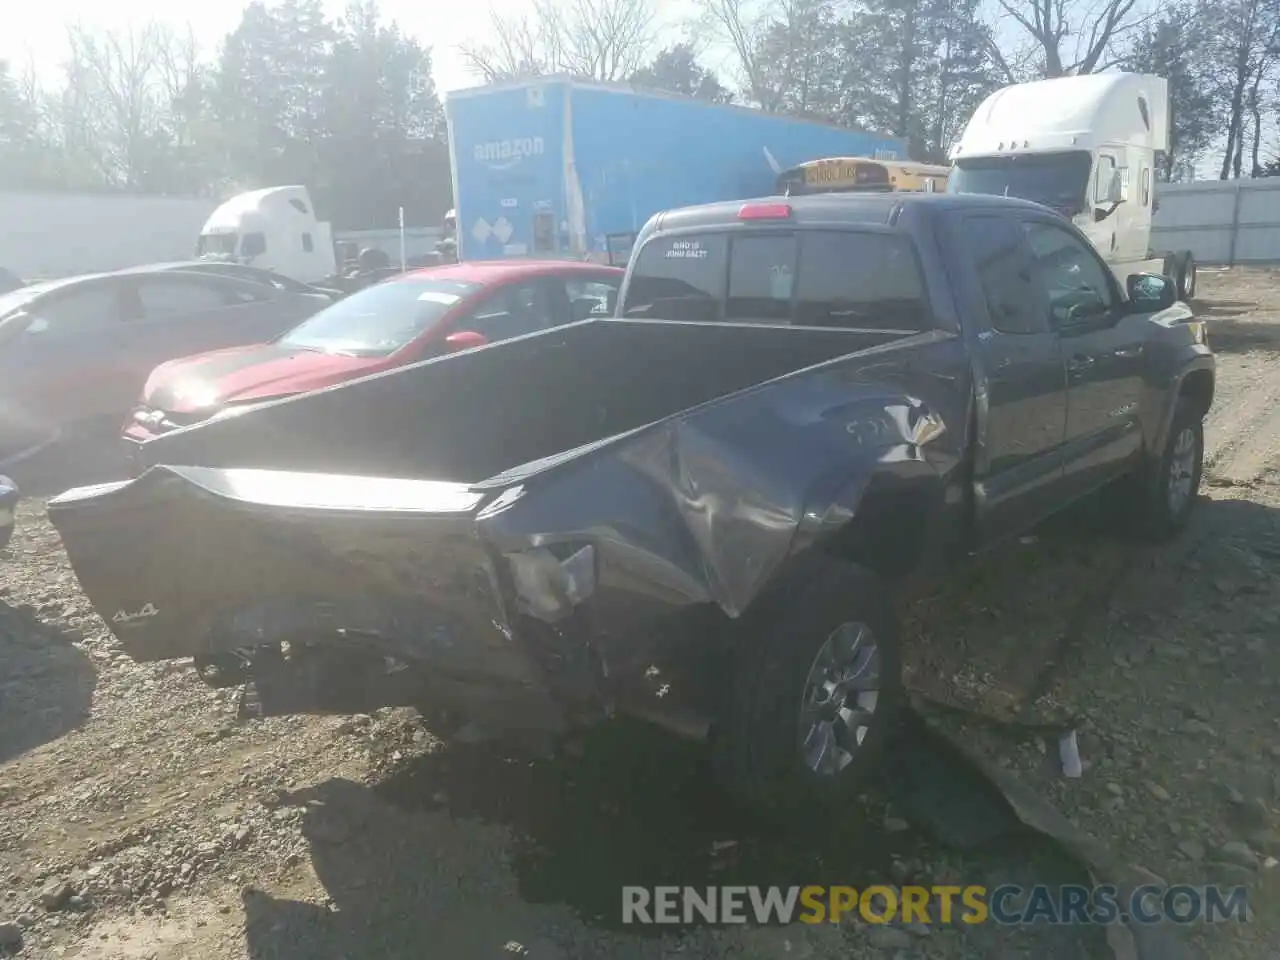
(1015, 303)
(1102, 178)
(1077, 282)
(868, 280)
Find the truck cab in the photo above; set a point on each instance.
(1086, 147)
(273, 229)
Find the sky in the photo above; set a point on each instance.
(37, 36)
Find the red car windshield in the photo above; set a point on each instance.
(379, 320)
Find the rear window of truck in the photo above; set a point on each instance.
(815, 278)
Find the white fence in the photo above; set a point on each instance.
(1220, 221)
(418, 241)
(56, 234)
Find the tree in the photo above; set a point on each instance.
(605, 40)
(270, 90)
(21, 153)
(676, 69)
(796, 66)
(891, 49)
(384, 125)
(1243, 40)
(1165, 47)
(1066, 37)
(917, 69)
(350, 109)
(115, 75)
(966, 74)
(743, 26)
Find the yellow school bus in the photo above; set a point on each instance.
(862, 175)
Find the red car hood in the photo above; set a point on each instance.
(241, 374)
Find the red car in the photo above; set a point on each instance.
(413, 317)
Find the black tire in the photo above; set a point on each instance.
(1187, 279)
(1158, 514)
(757, 748)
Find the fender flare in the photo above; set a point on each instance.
(1195, 362)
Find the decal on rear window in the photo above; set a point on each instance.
(686, 250)
(436, 296)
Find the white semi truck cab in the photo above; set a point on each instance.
(275, 229)
(1085, 146)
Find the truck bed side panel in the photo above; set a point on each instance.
(454, 418)
(699, 509)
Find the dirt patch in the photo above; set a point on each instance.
(161, 827)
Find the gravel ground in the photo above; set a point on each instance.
(138, 819)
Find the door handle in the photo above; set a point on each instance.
(1080, 362)
(1128, 353)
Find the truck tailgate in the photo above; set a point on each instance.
(189, 560)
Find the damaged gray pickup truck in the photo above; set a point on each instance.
(698, 512)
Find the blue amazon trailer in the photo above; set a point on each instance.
(561, 167)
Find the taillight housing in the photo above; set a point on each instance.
(765, 211)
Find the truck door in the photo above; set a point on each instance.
(1022, 381)
(1107, 234)
(1135, 241)
(1103, 353)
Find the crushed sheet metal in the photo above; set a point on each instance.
(1127, 941)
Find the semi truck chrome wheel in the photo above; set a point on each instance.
(1188, 290)
(839, 701)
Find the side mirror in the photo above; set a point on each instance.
(464, 340)
(1149, 292)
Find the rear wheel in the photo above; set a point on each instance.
(817, 687)
(1187, 279)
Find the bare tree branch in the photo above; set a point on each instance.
(124, 91)
(516, 51)
(1051, 24)
(744, 31)
(595, 39)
